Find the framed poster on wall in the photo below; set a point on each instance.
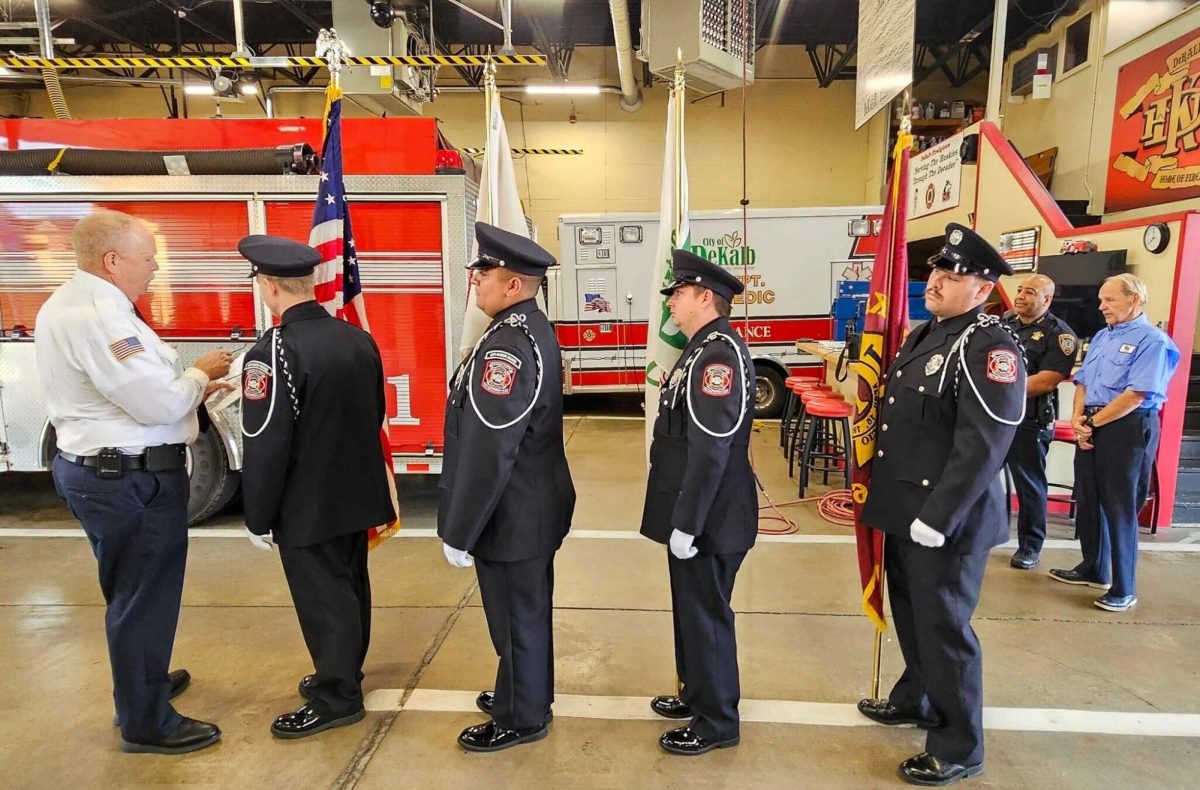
(1154, 156)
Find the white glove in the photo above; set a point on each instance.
(260, 542)
(681, 545)
(926, 535)
(456, 557)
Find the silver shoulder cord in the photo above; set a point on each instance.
(961, 346)
(517, 320)
(687, 375)
(276, 349)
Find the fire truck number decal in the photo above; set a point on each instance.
(404, 414)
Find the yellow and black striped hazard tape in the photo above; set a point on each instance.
(543, 151)
(22, 62)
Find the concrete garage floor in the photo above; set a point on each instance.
(1077, 697)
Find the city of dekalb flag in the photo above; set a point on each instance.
(664, 340)
(339, 287)
(883, 333)
(499, 204)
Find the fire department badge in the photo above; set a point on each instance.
(1066, 343)
(1038, 335)
(934, 364)
(956, 237)
(676, 377)
(1002, 366)
(718, 380)
(256, 380)
(498, 377)
(589, 335)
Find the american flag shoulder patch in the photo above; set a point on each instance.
(125, 348)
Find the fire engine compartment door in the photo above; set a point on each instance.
(398, 246)
(600, 335)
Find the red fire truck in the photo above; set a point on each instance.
(412, 227)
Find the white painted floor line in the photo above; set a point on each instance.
(832, 714)
(1190, 545)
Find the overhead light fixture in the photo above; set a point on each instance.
(198, 89)
(249, 89)
(564, 90)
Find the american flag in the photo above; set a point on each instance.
(596, 302)
(339, 286)
(124, 349)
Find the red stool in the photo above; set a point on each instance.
(793, 408)
(796, 431)
(1064, 432)
(823, 419)
(791, 385)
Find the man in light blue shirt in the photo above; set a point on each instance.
(1119, 392)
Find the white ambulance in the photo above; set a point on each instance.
(790, 260)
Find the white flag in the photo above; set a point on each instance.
(500, 180)
(664, 340)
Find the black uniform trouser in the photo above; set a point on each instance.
(331, 591)
(1111, 484)
(705, 643)
(1027, 464)
(137, 526)
(933, 594)
(518, 601)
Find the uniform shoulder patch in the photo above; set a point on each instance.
(497, 353)
(1066, 343)
(498, 377)
(717, 381)
(126, 347)
(1002, 366)
(256, 380)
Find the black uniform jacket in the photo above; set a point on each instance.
(506, 493)
(1049, 344)
(700, 479)
(938, 449)
(314, 467)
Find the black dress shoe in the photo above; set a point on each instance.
(685, 741)
(1024, 559)
(1072, 576)
(884, 712)
(487, 700)
(309, 721)
(928, 771)
(180, 680)
(191, 735)
(670, 707)
(306, 684)
(491, 737)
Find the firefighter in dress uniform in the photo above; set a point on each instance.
(506, 499)
(953, 398)
(1050, 348)
(701, 502)
(124, 411)
(314, 477)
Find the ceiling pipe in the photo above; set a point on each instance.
(19, 77)
(239, 32)
(631, 94)
(42, 9)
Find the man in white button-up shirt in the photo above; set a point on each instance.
(123, 411)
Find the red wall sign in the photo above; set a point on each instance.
(1155, 155)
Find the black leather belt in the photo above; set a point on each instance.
(1090, 410)
(111, 462)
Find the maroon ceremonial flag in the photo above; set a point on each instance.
(883, 333)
